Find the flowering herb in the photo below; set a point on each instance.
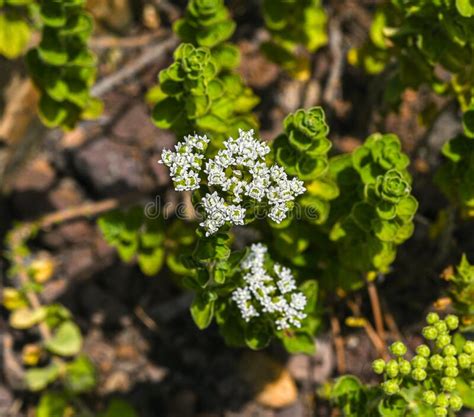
(402, 35)
(62, 66)
(435, 369)
(461, 291)
(298, 28)
(194, 96)
(455, 176)
(434, 382)
(263, 294)
(207, 23)
(237, 178)
(15, 31)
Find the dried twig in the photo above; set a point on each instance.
(169, 8)
(338, 344)
(149, 55)
(391, 322)
(375, 339)
(105, 42)
(332, 92)
(376, 308)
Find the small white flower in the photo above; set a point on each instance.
(238, 172)
(185, 162)
(278, 212)
(236, 214)
(263, 293)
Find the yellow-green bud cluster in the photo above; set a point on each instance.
(433, 367)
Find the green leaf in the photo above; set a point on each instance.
(51, 112)
(202, 309)
(466, 392)
(93, 109)
(25, 318)
(52, 404)
(151, 261)
(346, 386)
(299, 342)
(215, 34)
(51, 49)
(167, 112)
(38, 379)
(118, 408)
(226, 55)
(211, 123)
(394, 406)
(14, 35)
(66, 341)
(465, 7)
(52, 14)
(80, 375)
(258, 335)
(385, 230)
(310, 290)
(315, 210)
(468, 121)
(407, 207)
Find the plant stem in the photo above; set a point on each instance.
(376, 308)
(338, 344)
(375, 339)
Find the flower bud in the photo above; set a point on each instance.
(441, 327)
(448, 383)
(419, 362)
(469, 347)
(429, 397)
(404, 367)
(464, 361)
(390, 387)
(449, 350)
(418, 374)
(392, 368)
(452, 322)
(450, 361)
(398, 349)
(430, 333)
(442, 400)
(378, 366)
(443, 340)
(440, 412)
(432, 318)
(451, 371)
(423, 350)
(437, 362)
(455, 402)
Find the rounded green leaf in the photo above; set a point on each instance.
(38, 379)
(167, 112)
(299, 342)
(202, 309)
(257, 335)
(406, 208)
(24, 318)
(14, 35)
(66, 341)
(53, 14)
(468, 121)
(465, 7)
(80, 375)
(52, 404)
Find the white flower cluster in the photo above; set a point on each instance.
(237, 172)
(185, 162)
(262, 294)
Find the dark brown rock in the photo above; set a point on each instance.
(112, 168)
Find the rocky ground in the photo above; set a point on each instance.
(137, 329)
